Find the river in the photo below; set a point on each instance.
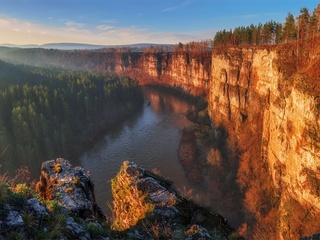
(149, 138)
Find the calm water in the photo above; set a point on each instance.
(150, 138)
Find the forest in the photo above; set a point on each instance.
(46, 113)
(305, 26)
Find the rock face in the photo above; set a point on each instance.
(251, 87)
(70, 187)
(148, 207)
(188, 71)
(31, 219)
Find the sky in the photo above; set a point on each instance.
(114, 22)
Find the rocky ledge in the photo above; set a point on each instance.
(62, 206)
(71, 187)
(146, 206)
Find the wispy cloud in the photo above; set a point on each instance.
(103, 28)
(109, 21)
(249, 16)
(74, 25)
(18, 31)
(178, 6)
(272, 13)
(255, 15)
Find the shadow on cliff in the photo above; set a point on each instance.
(211, 167)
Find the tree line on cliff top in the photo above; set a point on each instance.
(305, 26)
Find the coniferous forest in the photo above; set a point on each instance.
(305, 26)
(47, 113)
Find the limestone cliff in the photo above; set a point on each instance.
(251, 89)
(181, 69)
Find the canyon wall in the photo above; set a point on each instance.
(253, 96)
(189, 71)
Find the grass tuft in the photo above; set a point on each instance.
(130, 205)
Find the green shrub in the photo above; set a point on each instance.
(17, 200)
(23, 189)
(96, 231)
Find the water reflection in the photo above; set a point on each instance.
(150, 138)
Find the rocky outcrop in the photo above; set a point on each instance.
(64, 209)
(146, 206)
(71, 187)
(31, 219)
(149, 207)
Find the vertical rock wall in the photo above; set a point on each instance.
(248, 87)
(190, 72)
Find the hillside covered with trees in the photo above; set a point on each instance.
(45, 113)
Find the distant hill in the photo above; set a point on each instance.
(9, 45)
(72, 56)
(79, 46)
(10, 73)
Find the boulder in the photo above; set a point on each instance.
(36, 208)
(148, 206)
(14, 219)
(75, 230)
(71, 187)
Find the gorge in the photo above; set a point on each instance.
(265, 98)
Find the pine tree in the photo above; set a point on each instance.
(289, 29)
(316, 13)
(303, 23)
(313, 26)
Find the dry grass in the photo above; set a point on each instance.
(129, 205)
(22, 175)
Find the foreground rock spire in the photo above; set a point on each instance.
(70, 187)
(146, 206)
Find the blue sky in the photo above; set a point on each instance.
(134, 21)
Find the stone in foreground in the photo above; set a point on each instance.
(147, 206)
(70, 187)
